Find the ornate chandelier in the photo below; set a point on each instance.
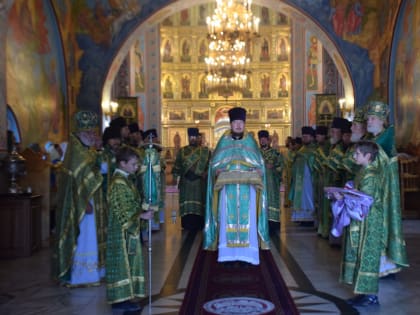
(230, 30)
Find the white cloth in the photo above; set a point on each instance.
(387, 266)
(248, 254)
(85, 268)
(63, 146)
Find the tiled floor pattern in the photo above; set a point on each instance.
(308, 264)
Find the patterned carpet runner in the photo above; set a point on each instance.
(236, 287)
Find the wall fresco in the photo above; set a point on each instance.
(368, 24)
(36, 82)
(405, 76)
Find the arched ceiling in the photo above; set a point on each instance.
(294, 13)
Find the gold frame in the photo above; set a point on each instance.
(279, 116)
(326, 108)
(182, 133)
(253, 114)
(128, 108)
(182, 113)
(200, 114)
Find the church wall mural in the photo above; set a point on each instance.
(313, 75)
(36, 81)
(368, 24)
(405, 78)
(138, 77)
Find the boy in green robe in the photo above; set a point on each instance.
(124, 261)
(363, 239)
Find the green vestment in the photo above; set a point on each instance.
(334, 165)
(322, 204)
(395, 248)
(191, 166)
(241, 165)
(363, 239)
(152, 172)
(301, 191)
(124, 261)
(386, 139)
(274, 176)
(288, 162)
(80, 181)
(333, 176)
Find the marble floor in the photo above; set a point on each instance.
(308, 264)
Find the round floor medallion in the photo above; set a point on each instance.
(238, 305)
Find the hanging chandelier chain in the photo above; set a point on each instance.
(230, 30)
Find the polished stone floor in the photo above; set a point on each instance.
(308, 264)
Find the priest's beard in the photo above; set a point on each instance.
(355, 137)
(374, 129)
(333, 141)
(264, 146)
(237, 135)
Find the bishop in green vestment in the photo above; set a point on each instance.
(79, 247)
(394, 255)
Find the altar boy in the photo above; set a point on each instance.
(124, 261)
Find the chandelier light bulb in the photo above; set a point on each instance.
(230, 30)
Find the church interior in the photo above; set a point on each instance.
(151, 62)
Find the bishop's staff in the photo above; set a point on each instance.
(150, 169)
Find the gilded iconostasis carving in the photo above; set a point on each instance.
(187, 98)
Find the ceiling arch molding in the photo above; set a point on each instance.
(352, 62)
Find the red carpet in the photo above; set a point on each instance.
(211, 280)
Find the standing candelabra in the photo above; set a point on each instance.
(15, 164)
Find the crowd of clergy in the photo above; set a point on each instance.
(324, 160)
(110, 186)
(130, 161)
